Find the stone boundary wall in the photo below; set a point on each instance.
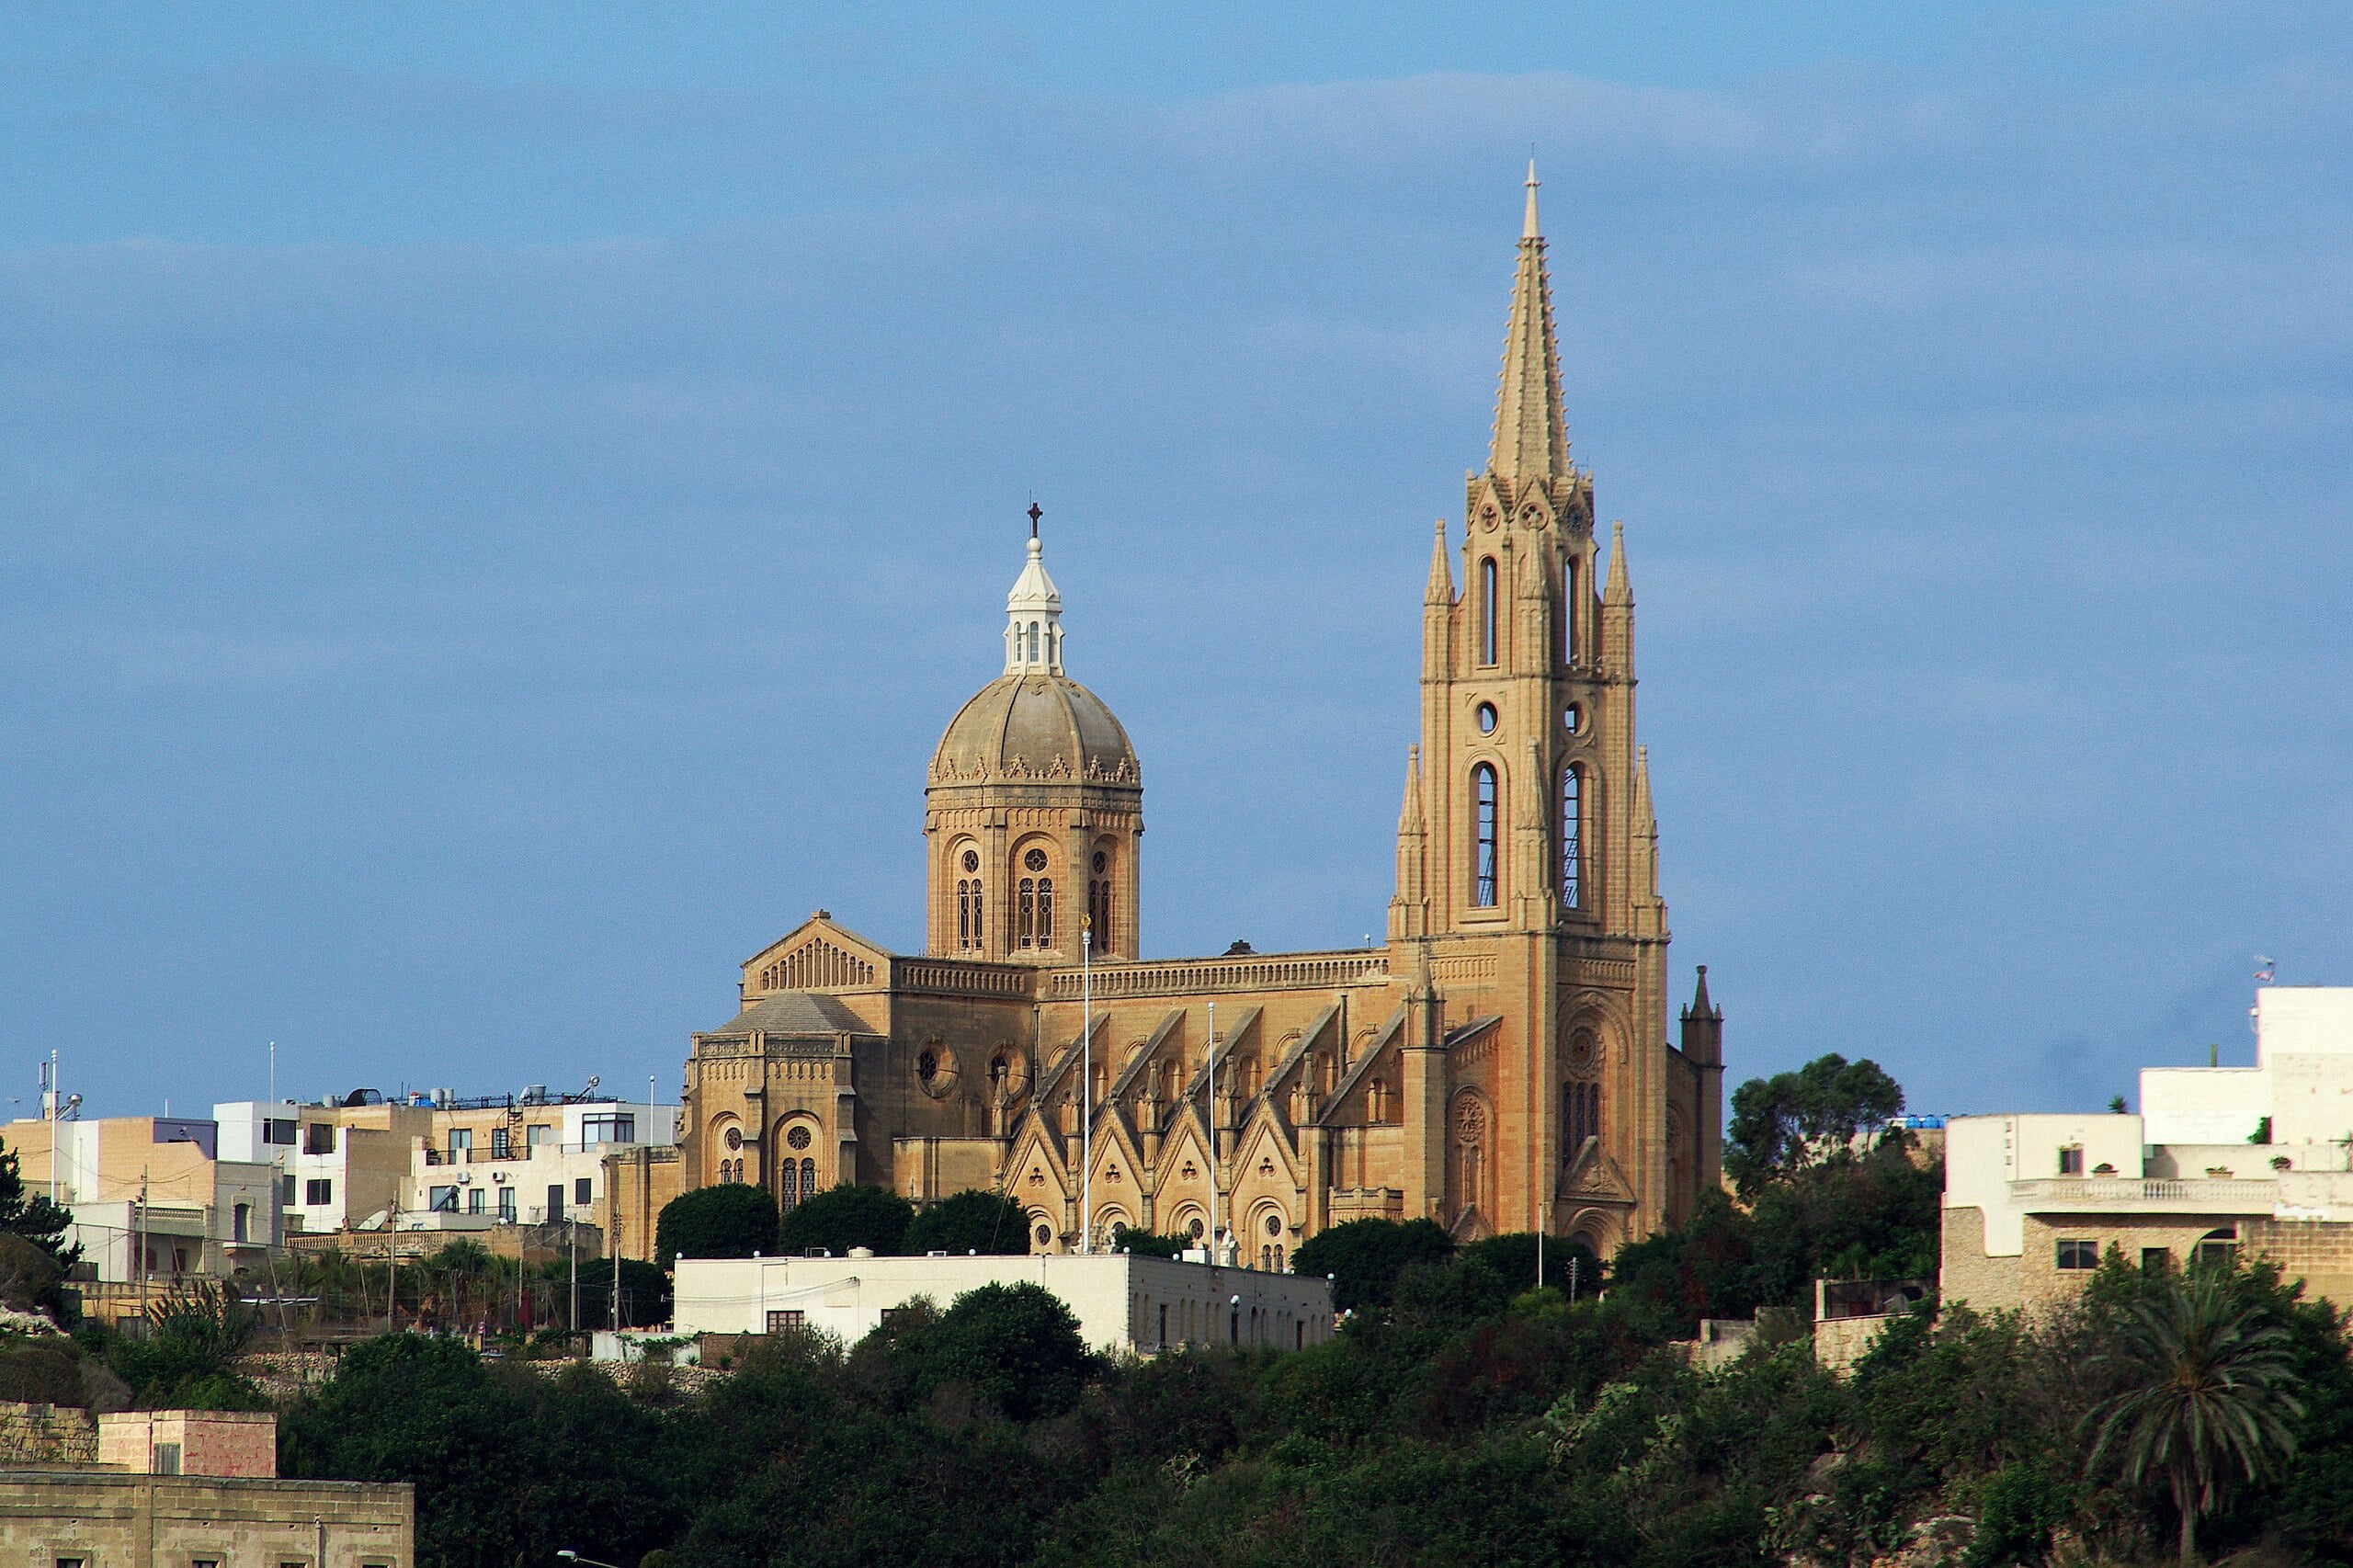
(36, 1436)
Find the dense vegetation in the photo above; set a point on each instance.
(1464, 1414)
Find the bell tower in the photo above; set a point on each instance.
(1526, 832)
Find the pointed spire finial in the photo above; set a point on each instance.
(1441, 583)
(1618, 589)
(1531, 432)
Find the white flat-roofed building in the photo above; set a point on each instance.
(2251, 1159)
(1122, 1302)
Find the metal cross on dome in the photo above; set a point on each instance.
(1036, 512)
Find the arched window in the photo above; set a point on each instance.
(1569, 618)
(791, 1193)
(1482, 874)
(1487, 610)
(1098, 902)
(1033, 641)
(1045, 912)
(1029, 912)
(1571, 838)
(808, 1178)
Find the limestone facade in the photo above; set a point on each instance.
(1501, 1062)
(108, 1520)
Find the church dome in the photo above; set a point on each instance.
(1033, 725)
(1033, 722)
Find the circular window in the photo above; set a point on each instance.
(1035, 861)
(971, 862)
(1274, 1224)
(1486, 717)
(1573, 717)
(1102, 862)
(1045, 1236)
(928, 1066)
(797, 1139)
(1194, 1230)
(734, 1137)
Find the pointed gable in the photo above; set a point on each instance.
(817, 955)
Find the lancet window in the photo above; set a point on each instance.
(1483, 877)
(1487, 610)
(1571, 838)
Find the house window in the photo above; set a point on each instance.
(275, 1131)
(318, 1138)
(614, 1127)
(1482, 884)
(583, 1191)
(240, 1221)
(2070, 1161)
(286, 1192)
(318, 1190)
(539, 1136)
(475, 1200)
(168, 1459)
(786, 1320)
(461, 1144)
(555, 1202)
(506, 1204)
(2078, 1254)
(2218, 1248)
(1571, 838)
(442, 1199)
(2156, 1260)
(502, 1143)
(1487, 610)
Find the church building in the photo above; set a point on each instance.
(1501, 1064)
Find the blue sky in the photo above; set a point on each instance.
(497, 503)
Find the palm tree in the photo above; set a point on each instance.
(2208, 1394)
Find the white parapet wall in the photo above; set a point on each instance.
(1122, 1301)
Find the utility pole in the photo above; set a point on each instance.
(571, 1320)
(139, 1234)
(1087, 1086)
(392, 1263)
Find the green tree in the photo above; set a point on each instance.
(851, 1215)
(33, 1217)
(1144, 1243)
(187, 1359)
(1364, 1257)
(1017, 1345)
(1513, 1257)
(645, 1293)
(972, 1221)
(730, 1220)
(1783, 1124)
(2209, 1393)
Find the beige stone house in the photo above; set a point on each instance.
(2218, 1161)
(1501, 1062)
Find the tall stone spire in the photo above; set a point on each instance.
(1441, 585)
(1033, 614)
(1618, 593)
(1531, 433)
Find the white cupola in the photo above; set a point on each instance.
(1033, 617)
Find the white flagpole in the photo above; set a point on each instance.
(1214, 1168)
(1086, 1082)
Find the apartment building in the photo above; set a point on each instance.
(152, 1197)
(2218, 1161)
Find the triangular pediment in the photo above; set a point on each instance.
(819, 954)
(1594, 1177)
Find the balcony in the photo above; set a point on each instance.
(2150, 1195)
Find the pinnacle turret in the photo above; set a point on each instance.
(1532, 437)
(1618, 591)
(1033, 617)
(1442, 589)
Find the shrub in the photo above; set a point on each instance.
(730, 1220)
(848, 1216)
(1016, 1345)
(1366, 1257)
(973, 1221)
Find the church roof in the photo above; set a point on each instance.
(795, 1012)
